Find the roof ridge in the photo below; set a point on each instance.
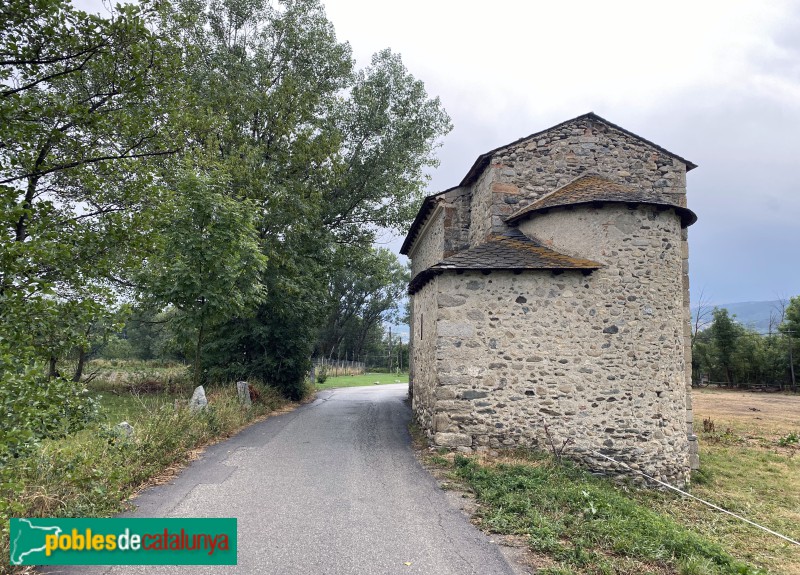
(479, 164)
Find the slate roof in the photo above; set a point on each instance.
(483, 160)
(593, 189)
(511, 250)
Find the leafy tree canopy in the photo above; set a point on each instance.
(365, 288)
(215, 156)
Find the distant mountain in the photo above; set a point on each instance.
(753, 314)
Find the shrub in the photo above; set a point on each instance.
(117, 348)
(34, 407)
(92, 473)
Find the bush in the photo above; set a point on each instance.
(117, 348)
(322, 376)
(34, 407)
(92, 473)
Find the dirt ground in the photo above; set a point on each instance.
(766, 413)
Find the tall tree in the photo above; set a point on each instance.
(725, 332)
(701, 319)
(83, 114)
(209, 261)
(390, 130)
(791, 328)
(327, 156)
(366, 287)
(83, 117)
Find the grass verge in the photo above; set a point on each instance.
(93, 473)
(572, 522)
(576, 523)
(749, 464)
(366, 379)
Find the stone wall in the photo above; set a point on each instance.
(428, 248)
(599, 358)
(521, 173)
(456, 205)
(481, 208)
(694, 448)
(422, 337)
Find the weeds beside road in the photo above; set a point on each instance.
(94, 472)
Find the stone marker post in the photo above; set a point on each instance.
(244, 393)
(198, 401)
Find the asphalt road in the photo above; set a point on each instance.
(330, 488)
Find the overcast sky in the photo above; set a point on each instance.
(715, 82)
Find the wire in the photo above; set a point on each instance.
(703, 501)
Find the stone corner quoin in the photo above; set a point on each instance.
(504, 345)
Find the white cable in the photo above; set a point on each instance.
(717, 507)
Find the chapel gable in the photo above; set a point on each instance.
(511, 177)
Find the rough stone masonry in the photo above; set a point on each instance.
(550, 287)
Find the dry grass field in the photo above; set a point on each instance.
(750, 464)
(763, 414)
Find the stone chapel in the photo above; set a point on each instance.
(550, 287)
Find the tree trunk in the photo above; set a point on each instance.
(197, 354)
(791, 365)
(81, 361)
(53, 372)
(81, 358)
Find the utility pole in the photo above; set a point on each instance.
(390, 349)
(791, 361)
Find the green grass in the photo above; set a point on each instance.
(587, 525)
(366, 379)
(117, 407)
(139, 375)
(577, 523)
(758, 483)
(133, 365)
(92, 473)
(131, 407)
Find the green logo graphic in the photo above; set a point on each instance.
(121, 541)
